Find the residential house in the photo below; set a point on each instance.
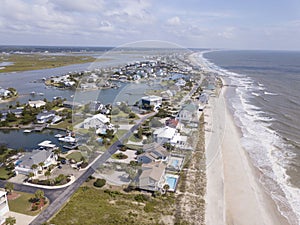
(37, 103)
(4, 208)
(4, 93)
(24, 164)
(45, 116)
(180, 83)
(203, 98)
(151, 100)
(166, 95)
(164, 134)
(151, 177)
(71, 104)
(173, 123)
(188, 113)
(152, 153)
(97, 121)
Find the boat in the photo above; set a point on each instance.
(27, 131)
(33, 93)
(41, 94)
(58, 135)
(67, 139)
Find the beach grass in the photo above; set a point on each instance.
(25, 62)
(98, 206)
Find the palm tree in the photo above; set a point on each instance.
(9, 187)
(39, 194)
(42, 164)
(47, 174)
(34, 167)
(10, 220)
(30, 175)
(57, 151)
(166, 188)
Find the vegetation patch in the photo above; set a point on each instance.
(23, 204)
(91, 206)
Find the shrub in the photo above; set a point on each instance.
(141, 198)
(99, 183)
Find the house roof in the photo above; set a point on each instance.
(152, 98)
(151, 172)
(165, 132)
(156, 150)
(34, 157)
(100, 117)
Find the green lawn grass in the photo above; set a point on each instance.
(75, 155)
(4, 174)
(91, 206)
(22, 204)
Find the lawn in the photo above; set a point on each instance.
(4, 174)
(75, 155)
(91, 206)
(66, 124)
(22, 204)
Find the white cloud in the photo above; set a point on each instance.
(174, 21)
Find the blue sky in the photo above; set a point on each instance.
(231, 24)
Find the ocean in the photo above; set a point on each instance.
(263, 96)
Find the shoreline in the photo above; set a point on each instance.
(234, 194)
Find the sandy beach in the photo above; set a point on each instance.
(234, 194)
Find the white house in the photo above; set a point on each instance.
(45, 116)
(24, 164)
(151, 100)
(37, 103)
(180, 83)
(3, 206)
(96, 121)
(4, 93)
(164, 134)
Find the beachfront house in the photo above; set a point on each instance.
(169, 135)
(151, 177)
(24, 164)
(37, 103)
(180, 83)
(4, 208)
(189, 113)
(153, 152)
(97, 121)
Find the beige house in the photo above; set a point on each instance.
(151, 177)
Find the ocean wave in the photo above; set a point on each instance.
(270, 93)
(266, 148)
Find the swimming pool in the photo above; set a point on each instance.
(171, 181)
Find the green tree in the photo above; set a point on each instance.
(30, 175)
(10, 220)
(9, 187)
(166, 188)
(47, 174)
(39, 194)
(34, 166)
(42, 164)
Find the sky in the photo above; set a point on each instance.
(230, 24)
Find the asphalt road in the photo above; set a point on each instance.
(59, 197)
